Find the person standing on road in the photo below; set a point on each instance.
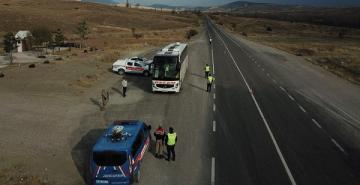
(210, 80)
(170, 141)
(124, 86)
(210, 40)
(159, 137)
(207, 70)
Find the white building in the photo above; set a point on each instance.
(23, 39)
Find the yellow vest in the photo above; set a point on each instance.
(207, 68)
(171, 139)
(210, 79)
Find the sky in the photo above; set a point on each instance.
(221, 2)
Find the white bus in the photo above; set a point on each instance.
(169, 68)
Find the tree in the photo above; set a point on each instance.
(9, 44)
(59, 37)
(42, 35)
(82, 30)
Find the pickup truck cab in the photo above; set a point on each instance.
(117, 155)
(137, 65)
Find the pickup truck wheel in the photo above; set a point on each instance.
(146, 73)
(121, 71)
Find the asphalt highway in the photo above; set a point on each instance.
(263, 134)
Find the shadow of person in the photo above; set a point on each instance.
(81, 152)
(117, 90)
(96, 102)
(196, 87)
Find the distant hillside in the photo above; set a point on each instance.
(332, 16)
(241, 4)
(101, 1)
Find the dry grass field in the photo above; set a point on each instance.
(111, 28)
(337, 49)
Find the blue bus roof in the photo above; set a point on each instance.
(104, 143)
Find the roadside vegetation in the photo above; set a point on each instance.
(336, 49)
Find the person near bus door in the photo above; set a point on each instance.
(170, 141)
(159, 137)
(207, 70)
(210, 80)
(124, 86)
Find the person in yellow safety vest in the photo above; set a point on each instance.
(170, 141)
(207, 70)
(210, 80)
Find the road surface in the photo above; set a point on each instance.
(265, 134)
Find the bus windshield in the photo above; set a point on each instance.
(166, 68)
(109, 158)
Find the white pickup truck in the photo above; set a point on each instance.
(137, 65)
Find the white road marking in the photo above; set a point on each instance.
(282, 88)
(316, 123)
(274, 80)
(263, 69)
(338, 145)
(267, 74)
(214, 126)
(287, 169)
(214, 107)
(292, 98)
(258, 65)
(213, 171)
(302, 108)
(214, 86)
(212, 58)
(214, 96)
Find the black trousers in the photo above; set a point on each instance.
(208, 88)
(124, 91)
(170, 150)
(206, 74)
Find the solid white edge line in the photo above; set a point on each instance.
(213, 171)
(212, 58)
(338, 145)
(287, 169)
(316, 123)
(214, 126)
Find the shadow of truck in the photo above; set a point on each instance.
(81, 153)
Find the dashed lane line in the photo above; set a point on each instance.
(214, 126)
(291, 98)
(213, 171)
(302, 108)
(214, 96)
(338, 146)
(316, 123)
(214, 107)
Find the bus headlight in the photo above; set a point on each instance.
(154, 85)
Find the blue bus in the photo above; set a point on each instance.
(117, 155)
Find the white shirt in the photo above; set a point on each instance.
(124, 83)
